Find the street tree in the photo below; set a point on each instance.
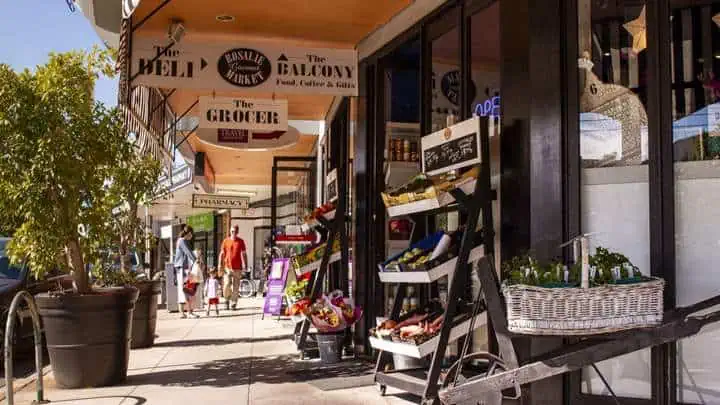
(58, 148)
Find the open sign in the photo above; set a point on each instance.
(488, 108)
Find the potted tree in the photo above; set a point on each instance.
(58, 149)
(135, 182)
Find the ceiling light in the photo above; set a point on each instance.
(225, 18)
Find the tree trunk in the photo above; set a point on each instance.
(124, 254)
(77, 265)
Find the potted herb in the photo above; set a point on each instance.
(59, 151)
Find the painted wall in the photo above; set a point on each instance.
(615, 205)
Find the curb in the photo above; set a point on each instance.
(20, 384)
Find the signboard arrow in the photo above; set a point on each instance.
(268, 135)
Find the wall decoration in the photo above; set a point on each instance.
(638, 29)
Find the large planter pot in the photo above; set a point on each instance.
(145, 314)
(88, 336)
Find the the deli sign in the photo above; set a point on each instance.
(262, 67)
(243, 113)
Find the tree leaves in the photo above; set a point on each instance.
(58, 146)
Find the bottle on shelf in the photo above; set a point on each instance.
(406, 151)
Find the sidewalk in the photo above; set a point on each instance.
(236, 359)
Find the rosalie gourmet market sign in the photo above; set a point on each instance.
(243, 113)
(249, 67)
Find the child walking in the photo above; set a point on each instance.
(212, 288)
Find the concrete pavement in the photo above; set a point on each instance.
(235, 359)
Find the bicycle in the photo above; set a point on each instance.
(247, 287)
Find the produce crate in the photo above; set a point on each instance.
(316, 264)
(431, 274)
(429, 346)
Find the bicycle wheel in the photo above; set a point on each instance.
(246, 288)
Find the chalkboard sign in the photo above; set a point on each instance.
(332, 186)
(452, 148)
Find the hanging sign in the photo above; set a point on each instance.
(217, 201)
(332, 186)
(247, 67)
(451, 148)
(276, 286)
(243, 113)
(202, 222)
(246, 139)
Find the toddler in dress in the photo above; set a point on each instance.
(212, 288)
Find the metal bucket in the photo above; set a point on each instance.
(330, 346)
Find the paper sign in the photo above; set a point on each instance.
(243, 113)
(332, 186)
(276, 286)
(244, 66)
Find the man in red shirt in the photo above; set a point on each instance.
(233, 256)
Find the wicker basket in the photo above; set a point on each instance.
(584, 311)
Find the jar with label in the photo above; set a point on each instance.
(398, 150)
(391, 150)
(413, 304)
(413, 151)
(406, 305)
(406, 151)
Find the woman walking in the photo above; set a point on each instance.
(184, 260)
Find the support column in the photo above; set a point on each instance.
(532, 150)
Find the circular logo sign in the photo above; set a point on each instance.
(450, 86)
(244, 67)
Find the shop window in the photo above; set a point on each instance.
(445, 78)
(695, 54)
(613, 120)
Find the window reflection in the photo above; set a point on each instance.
(613, 121)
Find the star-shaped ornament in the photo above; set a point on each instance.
(638, 29)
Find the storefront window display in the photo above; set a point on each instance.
(695, 87)
(613, 121)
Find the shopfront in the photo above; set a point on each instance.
(604, 121)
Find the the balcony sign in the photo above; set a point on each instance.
(452, 148)
(258, 67)
(249, 140)
(243, 113)
(220, 202)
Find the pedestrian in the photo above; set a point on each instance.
(233, 257)
(184, 260)
(212, 289)
(197, 275)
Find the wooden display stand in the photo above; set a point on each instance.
(463, 145)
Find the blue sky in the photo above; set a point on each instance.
(30, 29)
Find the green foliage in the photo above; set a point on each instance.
(107, 276)
(606, 267)
(58, 148)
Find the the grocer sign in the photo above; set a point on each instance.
(247, 66)
(243, 113)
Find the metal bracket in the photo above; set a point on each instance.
(149, 16)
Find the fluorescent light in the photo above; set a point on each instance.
(241, 193)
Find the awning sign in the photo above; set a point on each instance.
(249, 67)
(243, 113)
(217, 201)
(247, 139)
